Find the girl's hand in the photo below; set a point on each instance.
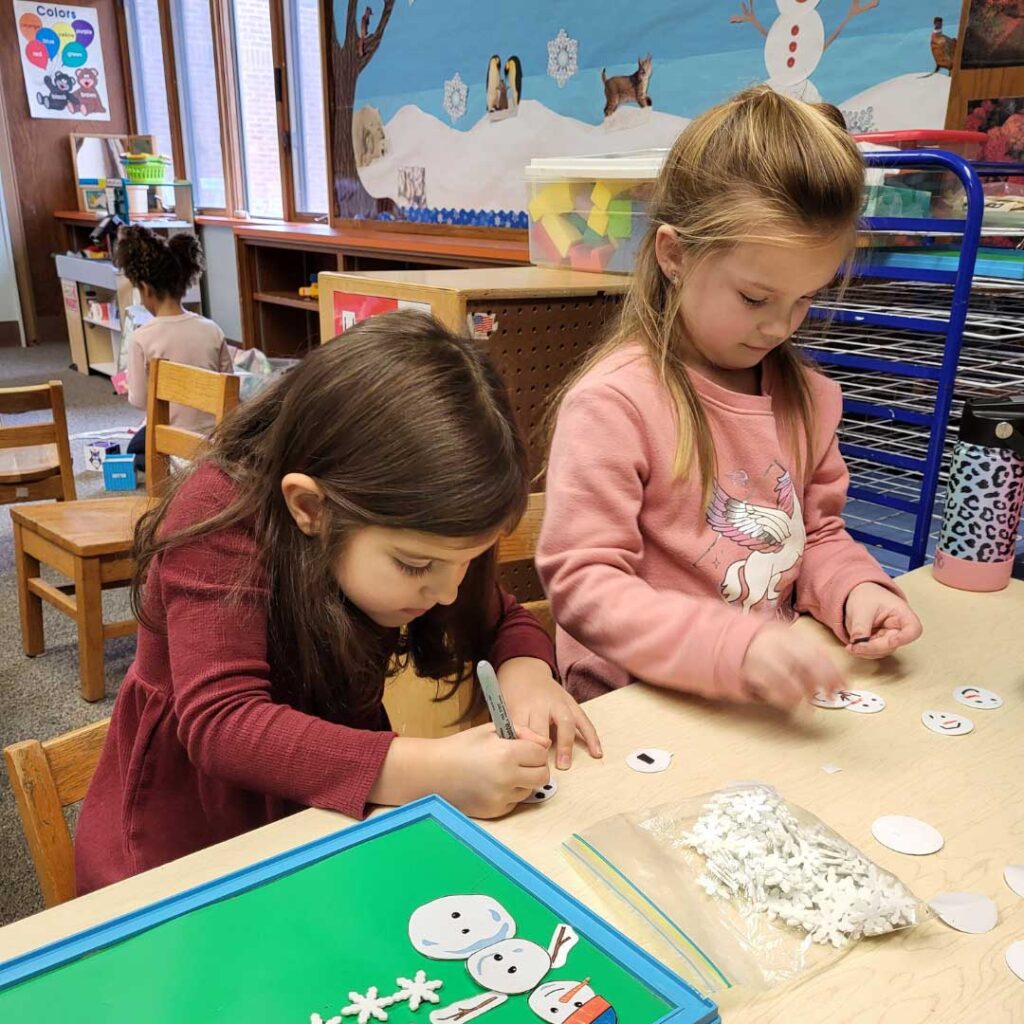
(484, 775)
(878, 622)
(534, 697)
(782, 667)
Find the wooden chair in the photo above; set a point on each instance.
(46, 777)
(90, 542)
(35, 459)
(407, 697)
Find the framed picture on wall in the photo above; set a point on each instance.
(994, 36)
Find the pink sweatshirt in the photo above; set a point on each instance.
(644, 582)
(187, 338)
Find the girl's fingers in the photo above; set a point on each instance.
(565, 736)
(585, 727)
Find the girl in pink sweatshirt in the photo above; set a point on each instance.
(695, 487)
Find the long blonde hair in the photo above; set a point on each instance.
(759, 168)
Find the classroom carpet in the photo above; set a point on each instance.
(39, 696)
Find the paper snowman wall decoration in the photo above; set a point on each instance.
(479, 930)
(571, 1002)
(796, 42)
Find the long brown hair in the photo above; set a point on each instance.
(402, 424)
(760, 167)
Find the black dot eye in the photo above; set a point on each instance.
(578, 1003)
(498, 956)
(554, 1009)
(455, 913)
(512, 970)
(465, 931)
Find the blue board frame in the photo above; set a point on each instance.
(688, 1006)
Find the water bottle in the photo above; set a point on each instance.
(983, 504)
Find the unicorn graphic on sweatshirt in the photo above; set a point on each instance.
(775, 537)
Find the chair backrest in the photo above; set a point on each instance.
(204, 390)
(521, 546)
(35, 475)
(46, 777)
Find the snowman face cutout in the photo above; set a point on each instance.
(863, 702)
(511, 967)
(945, 723)
(455, 927)
(557, 1000)
(977, 697)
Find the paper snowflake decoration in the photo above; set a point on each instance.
(455, 93)
(562, 57)
(417, 990)
(370, 1005)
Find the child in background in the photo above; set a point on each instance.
(342, 520)
(163, 270)
(695, 488)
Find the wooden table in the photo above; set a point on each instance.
(969, 787)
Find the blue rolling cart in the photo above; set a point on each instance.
(907, 342)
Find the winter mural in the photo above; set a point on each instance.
(437, 108)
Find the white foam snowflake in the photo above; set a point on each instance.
(455, 93)
(315, 1018)
(417, 989)
(370, 1005)
(562, 57)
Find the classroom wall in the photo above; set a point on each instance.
(44, 178)
(221, 285)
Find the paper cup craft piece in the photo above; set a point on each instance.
(977, 697)
(1014, 876)
(542, 795)
(1015, 959)
(966, 911)
(907, 835)
(649, 760)
(945, 723)
(863, 702)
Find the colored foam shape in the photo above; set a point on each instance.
(593, 239)
(605, 191)
(583, 204)
(542, 249)
(620, 218)
(554, 198)
(598, 221)
(562, 231)
(578, 222)
(621, 261)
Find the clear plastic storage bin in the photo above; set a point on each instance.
(590, 213)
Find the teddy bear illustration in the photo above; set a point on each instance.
(60, 87)
(86, 98)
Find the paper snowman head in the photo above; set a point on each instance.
(455, 927)
(558, 1000)
(978, 697)
(512, 966)
(945, 723)
(863, 702)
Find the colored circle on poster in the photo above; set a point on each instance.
(36, 53)
(28, 25)
(84, 32)
(65, 33)
(74, 55)
(50, 40)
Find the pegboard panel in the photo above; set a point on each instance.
(536, 344)
(520, 578)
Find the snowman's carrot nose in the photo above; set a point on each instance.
(568, 995)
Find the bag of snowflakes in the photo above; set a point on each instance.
(739, 888)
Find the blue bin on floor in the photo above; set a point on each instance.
(119, 472)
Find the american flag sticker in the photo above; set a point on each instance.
(482, 325)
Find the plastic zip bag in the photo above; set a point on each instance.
(705, 881)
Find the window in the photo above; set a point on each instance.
(308, 144)
(197, 80)
(257, 104)
(148, 77)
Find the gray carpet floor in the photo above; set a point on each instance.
(39, 696)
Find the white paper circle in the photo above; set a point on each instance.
(977, 697)
(1015, 958)
(945, 723)
(649, 760)
(906, 835)
(820, 700)
(1014, 876)
(966, 911)
(539, 796)
(863, 702)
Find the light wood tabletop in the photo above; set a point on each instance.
(969, 787)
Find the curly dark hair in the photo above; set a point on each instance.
(168, 266)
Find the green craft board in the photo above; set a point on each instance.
(300, 943)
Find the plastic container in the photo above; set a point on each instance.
(119, 472)
(146, 169)
(138, 199)
(590, 213)
(969, 145)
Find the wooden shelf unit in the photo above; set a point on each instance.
(275, 260)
